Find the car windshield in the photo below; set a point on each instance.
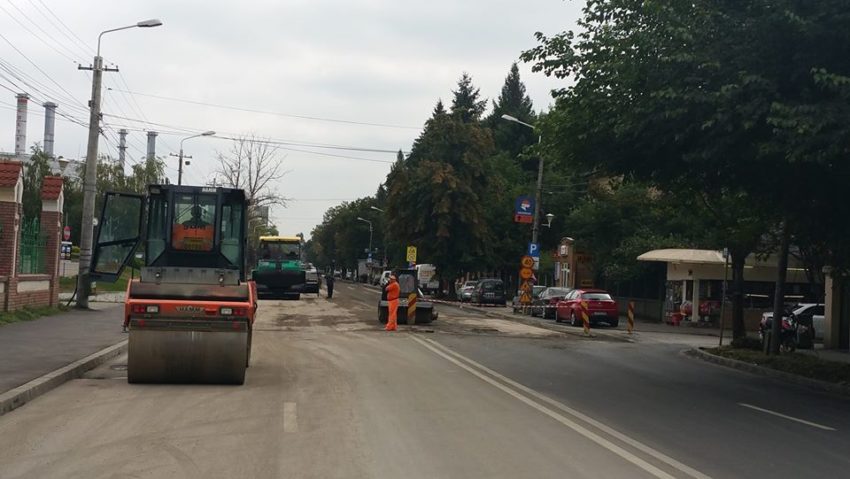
(551, 292)
(596, 296)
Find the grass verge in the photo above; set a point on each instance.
(29, 314)
(801, 364)
(67, 284)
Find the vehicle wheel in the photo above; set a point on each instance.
(297, 296)
(573, 319)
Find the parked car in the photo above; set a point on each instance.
(311, 280)
(600, 307)
(803, 312)
(464, 294)
(547, 301)
(535, 293)
(489, 291)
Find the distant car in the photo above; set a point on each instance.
(803, 311)
(489, 291)
(535, 293)
(311, 281)
(464, 294)
(547, 301)
(601, 307)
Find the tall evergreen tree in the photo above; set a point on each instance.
(514, 101)
(466, 104)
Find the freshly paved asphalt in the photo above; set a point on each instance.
(329, 394)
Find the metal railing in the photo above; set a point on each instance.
(31, 248)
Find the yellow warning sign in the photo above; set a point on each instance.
(411, 254)
(526, 273)
(527, 262)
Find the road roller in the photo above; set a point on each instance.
(190, 313)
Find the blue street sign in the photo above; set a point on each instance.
(534, 250)
(524, 206)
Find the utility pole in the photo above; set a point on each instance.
(538, 194)
(90, 181)
(181, 157)
(122, 147)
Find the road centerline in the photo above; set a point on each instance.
(576, 414)
(610, 446)
(790, 418)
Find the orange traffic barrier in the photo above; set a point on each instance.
(411, 308)
(631, 326)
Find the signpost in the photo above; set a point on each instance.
(66, 233)
(524, 210)
(411, 254)
(526, 273)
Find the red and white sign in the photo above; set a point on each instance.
(66, 233)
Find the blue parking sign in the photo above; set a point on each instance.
(534, 250)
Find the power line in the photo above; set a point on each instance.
(38, 68)
(75, 40)
(35, 85)
(267, 112)
(82, 42)
(44, 32)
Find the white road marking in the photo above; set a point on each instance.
(649, 468)
(290, 417)
(801, 421)
(601, 426)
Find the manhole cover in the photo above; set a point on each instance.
(118, 367)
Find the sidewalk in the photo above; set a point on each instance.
(31, 349)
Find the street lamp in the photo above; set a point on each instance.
(180, 165)
(536, 225)
(549, 218)
(376, 208)
(90, 182)
(370, 234)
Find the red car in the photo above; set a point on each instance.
(601, 307)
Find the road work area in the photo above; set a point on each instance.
(329, 394)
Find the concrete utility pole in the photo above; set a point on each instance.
(537, 195)
(370, 233)
(122, 147)
(90, 181)
(181, 157)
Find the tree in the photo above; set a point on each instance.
(253, 165)
(688, 96)
(34, 172)
(508, 136)
(436, 195)
(466, 105)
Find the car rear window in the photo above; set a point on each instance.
(491, 285)
(596, 296)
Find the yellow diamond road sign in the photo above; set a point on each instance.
(411, 254)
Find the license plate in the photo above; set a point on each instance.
(489, 295)
(600, 313)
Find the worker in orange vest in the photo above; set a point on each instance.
(392, 297)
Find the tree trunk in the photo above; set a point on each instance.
(779, 297)
(738, 259)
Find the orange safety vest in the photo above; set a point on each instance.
(392, 291)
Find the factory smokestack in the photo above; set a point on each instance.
(21, 125)
(49, 127)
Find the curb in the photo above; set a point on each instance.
(15, 398)
(595, 334)
(768, 372)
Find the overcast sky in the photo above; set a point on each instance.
(371, 61)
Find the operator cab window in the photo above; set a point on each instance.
(192, 227)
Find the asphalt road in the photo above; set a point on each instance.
(329, 394)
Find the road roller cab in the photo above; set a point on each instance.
(191, 311)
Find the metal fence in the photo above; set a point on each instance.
(32, 246)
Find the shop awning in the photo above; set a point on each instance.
(690, 256)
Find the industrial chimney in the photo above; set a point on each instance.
(21, 126)
(151, 145)
(49, 127)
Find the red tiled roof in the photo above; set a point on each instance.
(10, 171)
(51, 187)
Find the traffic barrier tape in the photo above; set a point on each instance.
(631, 325)
(411, 308)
